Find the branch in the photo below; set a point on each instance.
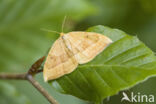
(13, 76)
(41, 89)
(35, 68)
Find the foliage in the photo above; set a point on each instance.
(22, 42)
(121, 65)
(21, 21)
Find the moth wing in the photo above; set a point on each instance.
(60, 61)
(86, 45)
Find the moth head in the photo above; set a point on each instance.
(61, 34)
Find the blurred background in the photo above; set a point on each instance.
(22, 41)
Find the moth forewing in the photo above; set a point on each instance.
(59, 61)
(86, 45)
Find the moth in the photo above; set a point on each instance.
(72, 49)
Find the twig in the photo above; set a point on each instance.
(29, 77)
(41, 89)
(13, 76)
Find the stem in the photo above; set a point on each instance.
(29, 77)
(41, 89)
(13, 76)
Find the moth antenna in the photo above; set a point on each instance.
(63, 23)
(47, 30)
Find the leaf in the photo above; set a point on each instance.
(121, 65)
(9, 95)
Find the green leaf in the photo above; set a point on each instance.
(10, 95)
(126, 62)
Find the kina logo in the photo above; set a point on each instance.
(137, 97)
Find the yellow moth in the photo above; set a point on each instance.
(71, 49)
